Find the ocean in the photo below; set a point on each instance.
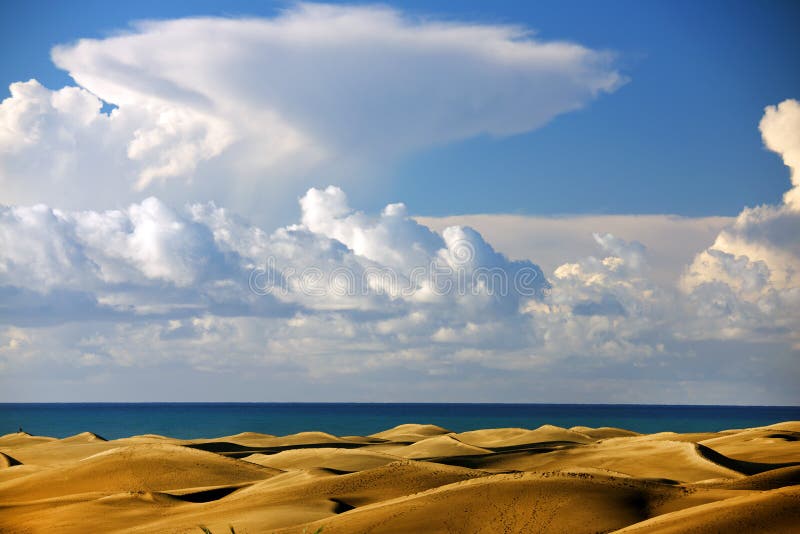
(195, 420)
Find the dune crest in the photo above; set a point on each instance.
(21, 439)
(509, 437)
(346, 460)
(411, 478)
(411, 432)
(83, 437)
(437, 446)
(604, 432)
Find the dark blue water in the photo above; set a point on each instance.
(194, 420)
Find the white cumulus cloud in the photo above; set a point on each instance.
(747, 283)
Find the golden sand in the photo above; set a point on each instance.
(412, 478)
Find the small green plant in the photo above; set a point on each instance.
(207, 530)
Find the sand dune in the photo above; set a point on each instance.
(58, 452)
(138, 468)
(436, 447)
(519, 502)
(661, 460)
(305, 438)
(247, 437)
(769, 444)
(604, 432)
(767, 480)
(687, 437)
(771, 511)
(347, 460)
(498, 438)
(411, 478)
(151, 438)
(789, 426)
(18, 471)
(83, 437)
(411, 433)
(22, 439)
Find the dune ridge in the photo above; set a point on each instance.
(8, 461)
(410, 478)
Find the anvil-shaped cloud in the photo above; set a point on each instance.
(232, 110)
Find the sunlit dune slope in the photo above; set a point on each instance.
(411, 478)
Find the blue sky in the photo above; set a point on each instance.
(679, 138)
(448, 201)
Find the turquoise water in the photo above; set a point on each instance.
(193, 420)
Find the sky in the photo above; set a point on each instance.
(421, 201)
